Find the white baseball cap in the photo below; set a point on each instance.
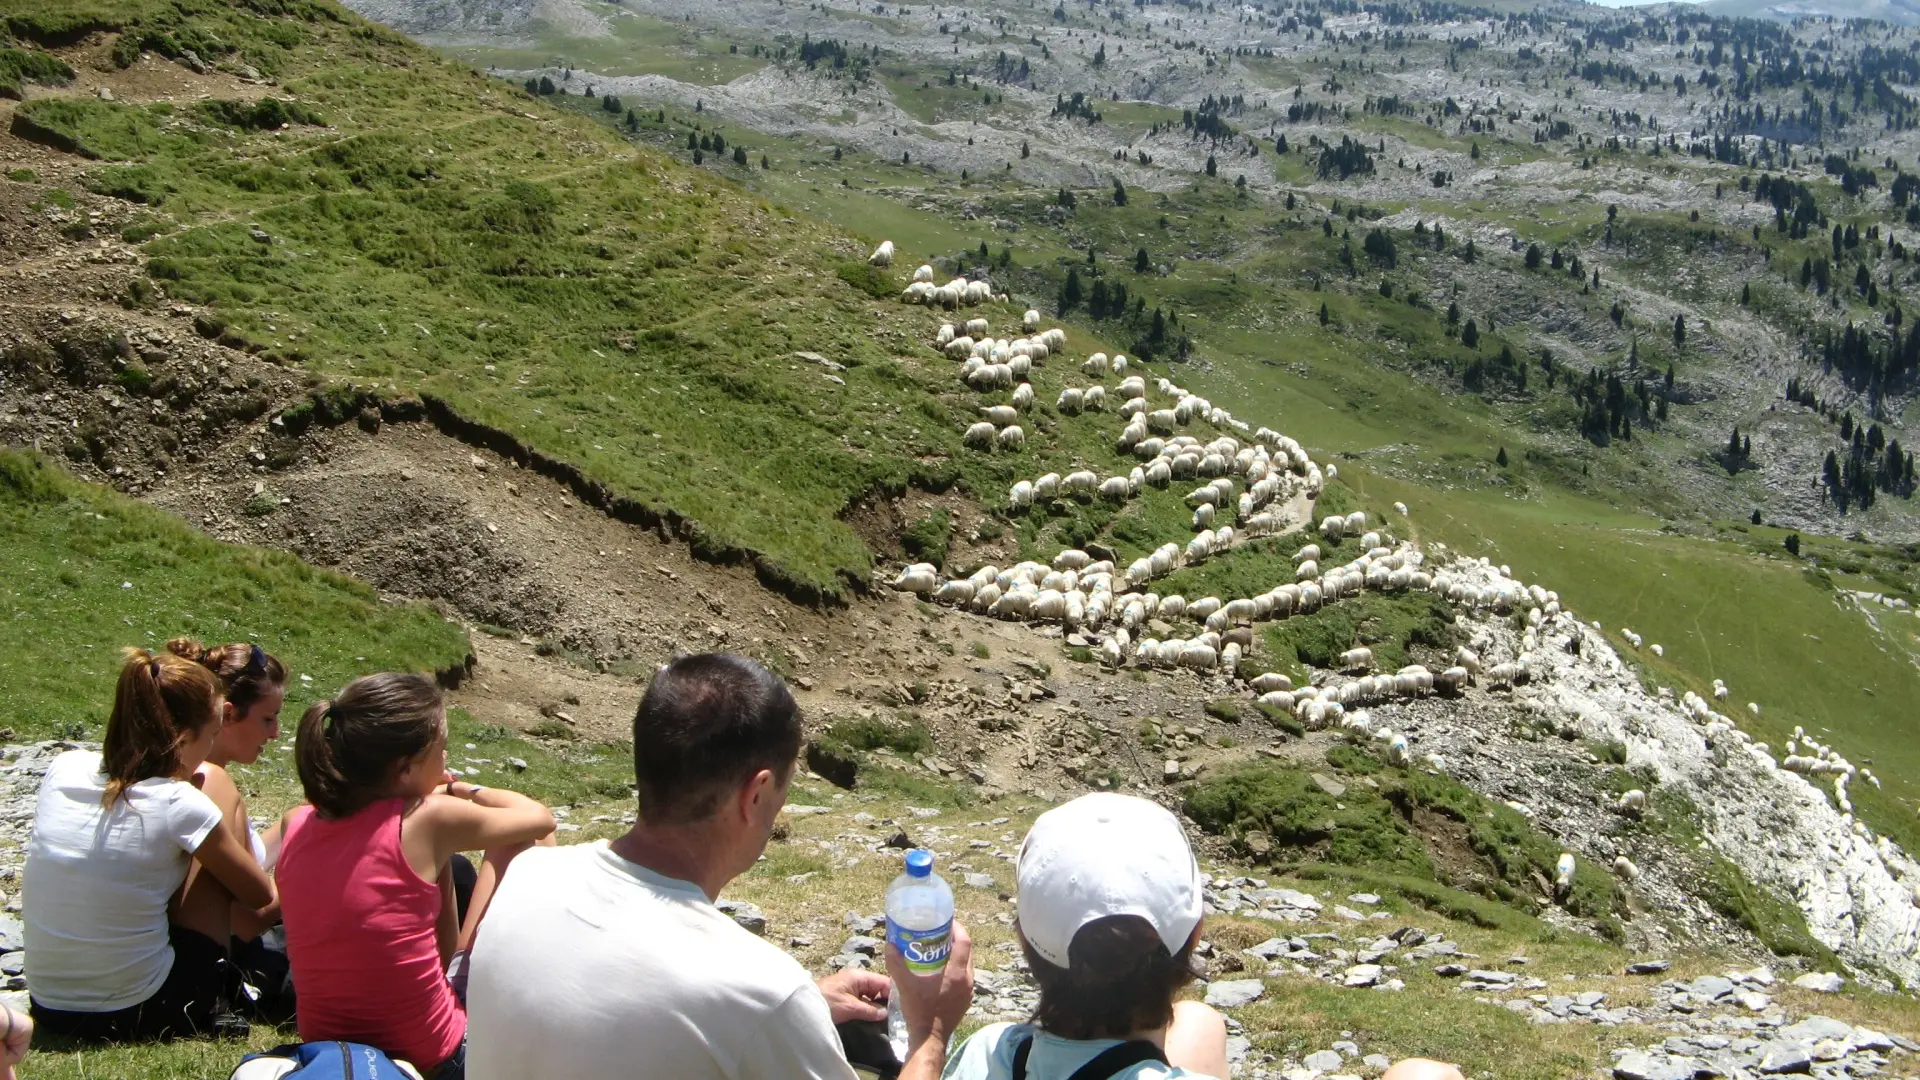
(1100, 855)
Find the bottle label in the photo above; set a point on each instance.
(924, 950)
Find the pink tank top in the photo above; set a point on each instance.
(360, 936)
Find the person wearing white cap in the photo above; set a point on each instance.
(1110, 901)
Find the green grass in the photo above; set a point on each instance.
(558, 772)
(1412, 826)
(1388, 623)
(90, 572)
(18, 66)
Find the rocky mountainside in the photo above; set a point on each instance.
(608, 376)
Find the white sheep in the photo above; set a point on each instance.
(1633, 803)
(923, 274)
(1095, 364)
(883, 256)
(1072, 559)
(1080, 482)
(1203, 516)
(979, 435)
(1400, 508)
(1657, 649)
(920, 579)
(1094, 399)
(977, 328)
(1198, 656)
(1000, 415)
(1356, 659)
(1011, 437)
(1624, 869)
(1023, 397)
(1509, 675)
(1030, 321)
(955, 592)
(1397, 750)
(1115, 488)
(1020, 496)
(1563, 874)
(1069, 400)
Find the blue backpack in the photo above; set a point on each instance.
(323, 1061)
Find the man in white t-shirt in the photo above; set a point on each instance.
(611, 959)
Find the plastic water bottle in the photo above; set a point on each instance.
(920, 925)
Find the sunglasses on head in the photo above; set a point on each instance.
(256, 662)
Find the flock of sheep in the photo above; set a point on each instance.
(1248, 474)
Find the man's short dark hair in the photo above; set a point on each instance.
(707, 723)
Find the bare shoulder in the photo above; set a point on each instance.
(217, 784)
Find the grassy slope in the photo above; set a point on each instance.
(447, 235)
(90, 571)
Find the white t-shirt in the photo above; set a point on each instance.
(988, 1055)
(590, 966)
(94, 900)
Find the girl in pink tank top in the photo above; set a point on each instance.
(365, 894)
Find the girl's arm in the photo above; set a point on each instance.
(469, 821)
(231, 863)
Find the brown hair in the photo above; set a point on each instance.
(708, 721)
(247, 671)
(346, 749)
(1120, 979)
(158, 705)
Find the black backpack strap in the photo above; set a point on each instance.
(1020, 1058)
(1118, 1059)
(1111, 1062)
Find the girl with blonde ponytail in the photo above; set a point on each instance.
(118, 945)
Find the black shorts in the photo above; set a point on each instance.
(195, 989)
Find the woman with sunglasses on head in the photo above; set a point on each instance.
(255, 683)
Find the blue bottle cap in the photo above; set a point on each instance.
(919, 862)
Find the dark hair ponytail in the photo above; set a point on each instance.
(159, 704)
(247, 671)
(346, 749)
